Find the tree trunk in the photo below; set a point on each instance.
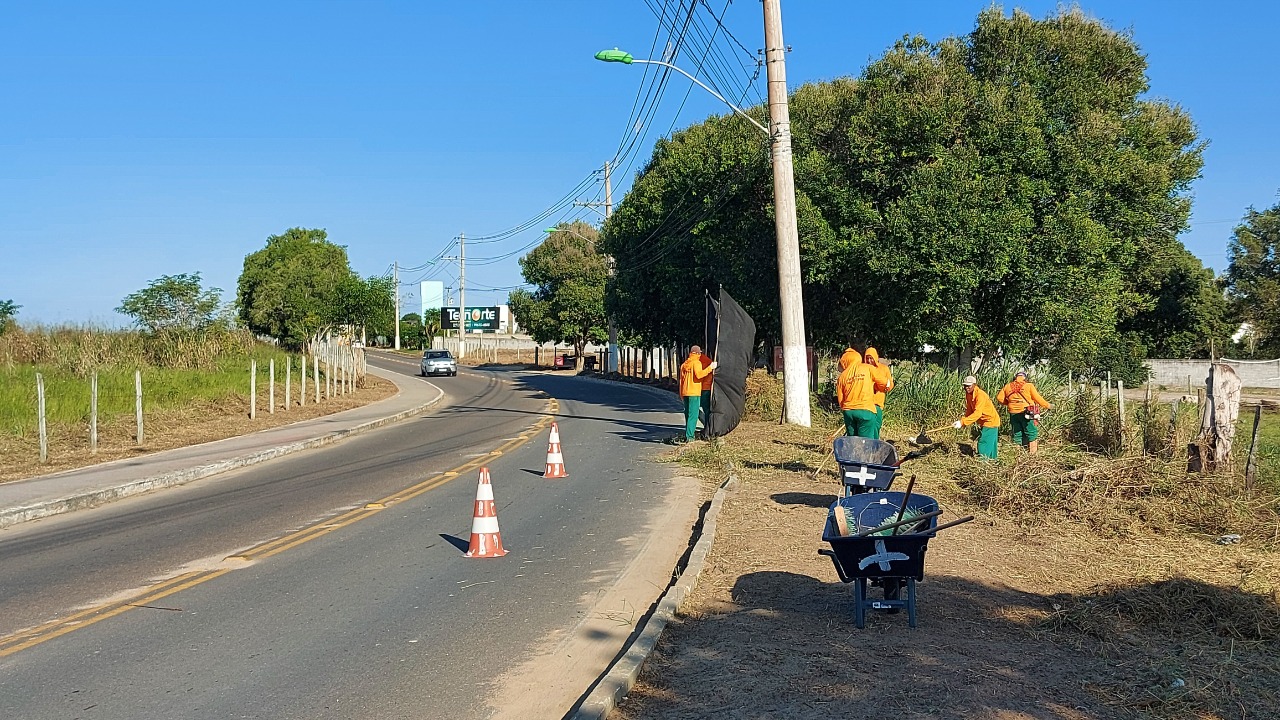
(1218, 414)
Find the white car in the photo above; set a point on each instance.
(438, 362)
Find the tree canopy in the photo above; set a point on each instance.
(1011, 190)
(173, 303)
(567, 304)
(1253, 278)
(292, 288)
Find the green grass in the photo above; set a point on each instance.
(67, 393)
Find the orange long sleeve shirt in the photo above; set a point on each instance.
(979, 408)
(1017, 399)
(691, 375)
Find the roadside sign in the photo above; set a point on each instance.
(477, 318)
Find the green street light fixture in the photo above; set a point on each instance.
(621, 56)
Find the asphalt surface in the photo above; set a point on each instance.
(331, 583)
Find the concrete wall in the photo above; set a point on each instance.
(1253, 373)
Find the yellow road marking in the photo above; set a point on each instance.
(31, 637)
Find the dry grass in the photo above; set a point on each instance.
(1127, 496)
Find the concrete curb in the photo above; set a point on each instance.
(94, 498)
(614, 685)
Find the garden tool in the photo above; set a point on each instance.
(924, 439)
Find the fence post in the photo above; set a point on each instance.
(137, 387)
(44, 436)
(288, 380)
(302, 377)
(1251, 465)
(1120, 410)
(271, 387)
(253, 389)
(315, 375)
(93, 414)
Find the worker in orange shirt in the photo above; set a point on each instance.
(855, 391)
(1024, 403)
(882, 382)
(704, 405)
(979, 409)
(692, 373)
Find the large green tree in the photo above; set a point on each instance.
(1253, 278)
(173, 303)
(567, 304)
(1010, 191)
(292, 289)
(365, 305)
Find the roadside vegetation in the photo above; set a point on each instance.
(1103, 554)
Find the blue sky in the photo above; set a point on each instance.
(140, 139)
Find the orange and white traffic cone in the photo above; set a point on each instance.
(555, 460)
(486, 541)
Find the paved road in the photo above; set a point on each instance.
(330, 584)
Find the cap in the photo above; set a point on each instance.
(970, 380)
(1023, 373)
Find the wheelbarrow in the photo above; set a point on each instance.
(865, 463)
(891, 558)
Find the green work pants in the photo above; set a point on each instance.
(860, 423)
(879, 422)
(691, 403)
(987, 442)
(1024, 430)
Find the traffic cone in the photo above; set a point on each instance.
(486, 541)
(555, 461)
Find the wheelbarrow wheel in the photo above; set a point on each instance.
(892, 591)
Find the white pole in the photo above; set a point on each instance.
(462, 295)
(288, 380)
(44, 436)
(315, 375)
(253, 389)
(795, 381)
(302, 378)
(137, 386)
(271, 388)
(93, 413)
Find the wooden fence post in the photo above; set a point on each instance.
(288, 380)
(1251, 465)
(44, 436)
(93, 413)
(1120, 411)
(315, 375)
(271, 387)
(253, 389)
(137, 387)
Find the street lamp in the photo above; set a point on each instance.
(620, 56)
(795, 385)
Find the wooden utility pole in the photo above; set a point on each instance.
(795, 381)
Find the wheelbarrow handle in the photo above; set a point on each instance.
(836, 561)
(895, 524)
(951, 524)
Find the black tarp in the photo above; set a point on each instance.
(731, 342)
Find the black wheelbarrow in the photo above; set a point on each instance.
(891, 559)
(865, 463)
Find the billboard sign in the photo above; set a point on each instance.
(477, 318)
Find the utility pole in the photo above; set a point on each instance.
(795, 381)
(462, 297)
(612, 364)
(396, 278)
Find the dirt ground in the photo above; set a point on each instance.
(1013, 621)
(165, 430)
